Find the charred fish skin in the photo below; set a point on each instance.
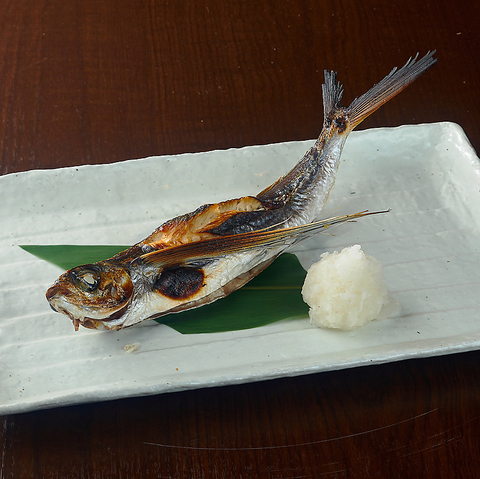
(202, 256)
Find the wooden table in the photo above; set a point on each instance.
(95, 82)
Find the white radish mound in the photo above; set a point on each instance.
(346, 290)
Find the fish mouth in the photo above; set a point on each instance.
(52, 292)
(91, 323)
(56, 295)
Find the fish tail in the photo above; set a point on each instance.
(396, 81)
(332, 92)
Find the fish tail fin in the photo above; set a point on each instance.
(396, 81)
(332, 92)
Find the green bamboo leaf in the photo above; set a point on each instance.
(69, 256)
(275, 294)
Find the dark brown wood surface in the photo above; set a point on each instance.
(84, 81)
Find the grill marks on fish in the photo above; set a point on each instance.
(247, 221)
(201, 223)
(179, 282)
(191, 227)
(199, 257)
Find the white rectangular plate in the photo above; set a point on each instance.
(429, 244)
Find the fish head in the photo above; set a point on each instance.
(92, 294)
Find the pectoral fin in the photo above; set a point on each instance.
(211, 249)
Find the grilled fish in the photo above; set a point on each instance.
(197, 258)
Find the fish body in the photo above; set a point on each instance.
(202, 256)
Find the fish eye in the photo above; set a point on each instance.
(86, 279)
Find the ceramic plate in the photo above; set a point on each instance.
(429, 244)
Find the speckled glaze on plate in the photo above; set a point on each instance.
(428, 175)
